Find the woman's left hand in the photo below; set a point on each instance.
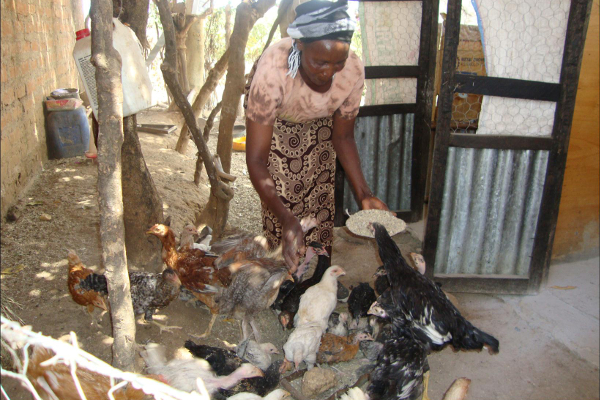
(373, 203)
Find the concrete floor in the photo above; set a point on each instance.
(549, 343)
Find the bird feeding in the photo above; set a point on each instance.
(358, 223)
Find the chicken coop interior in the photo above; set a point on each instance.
(479, 127)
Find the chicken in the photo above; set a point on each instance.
(302, 345)
(54, 380)
(182, 373)
(424, 305)
(277, 394)
(149, 291)
(402, 369)
(319, 301)
(338, 324)
(291, 301)
(382, 283)
(224, 362)
(258, 354)
(247, 246)
(354, 393)
(195, 270)
(191, 238)
(86, 297)
(359, 301)
(334, 349)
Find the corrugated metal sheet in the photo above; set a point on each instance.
(489, 211)
(385, 147)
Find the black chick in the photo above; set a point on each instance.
(381, 281)
(360, 300)
(291, 301)
(424, 305)
(223, 361)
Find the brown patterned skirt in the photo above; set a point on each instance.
(302, 164)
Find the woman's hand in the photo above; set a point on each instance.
(292, 242)
(373, 203)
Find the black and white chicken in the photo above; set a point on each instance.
(424, 305)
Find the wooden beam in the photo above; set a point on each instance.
(392, 71)
(442, 137)
(387, 109)
(422, 127)
(470, 140)
(504, 87)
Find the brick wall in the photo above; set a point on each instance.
(37, 41)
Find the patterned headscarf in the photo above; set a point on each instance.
(319, 20)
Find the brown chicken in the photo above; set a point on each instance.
(54, 381)
(86, 297)
(196, 270)
(247, 246)
(336, 349)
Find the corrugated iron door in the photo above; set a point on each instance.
(495, 187)
(392, 129)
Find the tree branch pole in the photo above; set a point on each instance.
(207, 128)
(212, 80)
(112, 231)
(246, 16)
(218, 188)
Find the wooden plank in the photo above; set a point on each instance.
(483, 284)
(579, 15)
(500, 142)
(577, 227)
(425, 89)
(387, 109)
(442, 137)
(505, 87)
(392, 71)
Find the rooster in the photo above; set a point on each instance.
(83, 296)
(195, 269)
(424, 305)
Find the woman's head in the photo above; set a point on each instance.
(322, 59)
(322, 31)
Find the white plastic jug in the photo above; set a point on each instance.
(137, 88)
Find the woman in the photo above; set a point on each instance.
(302, 101)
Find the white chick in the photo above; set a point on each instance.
(319, 301)
(354, 393)
(258, 354)
(302, 345)
(183, 373)
(277, 394)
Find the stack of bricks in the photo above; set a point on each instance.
(37, 43)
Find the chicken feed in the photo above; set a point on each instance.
(358, 223)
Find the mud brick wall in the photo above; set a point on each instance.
(37, 43)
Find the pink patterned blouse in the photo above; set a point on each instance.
(275, 95)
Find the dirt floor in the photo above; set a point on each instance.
(60, 212)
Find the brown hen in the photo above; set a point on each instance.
(334, 349)
(196, 270)
(86, 297)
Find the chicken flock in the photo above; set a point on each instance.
(396, 325)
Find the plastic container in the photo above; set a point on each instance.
(67, 133)
(137, 88)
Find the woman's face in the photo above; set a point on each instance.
(320, 60)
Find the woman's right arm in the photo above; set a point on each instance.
(258, 145)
